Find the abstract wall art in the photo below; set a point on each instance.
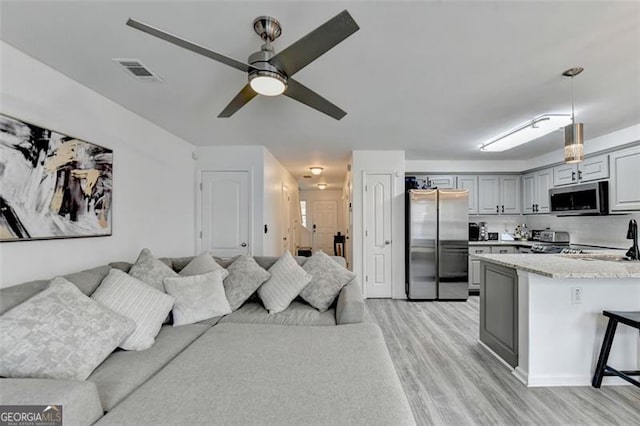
(52, 185)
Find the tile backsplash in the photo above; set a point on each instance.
(606, 231)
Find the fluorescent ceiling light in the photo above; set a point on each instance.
(316, 171)
(322, 186)
(531, 130)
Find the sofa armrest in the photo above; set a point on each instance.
(350, 306)
(79, 399)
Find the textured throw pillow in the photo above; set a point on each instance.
(59, 334)
(198, 297)
(145, 305)
(150, 270)
(327, 279)
(286, 282)
(201, 265)
(245, 276)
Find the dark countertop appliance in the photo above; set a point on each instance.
(474, 232)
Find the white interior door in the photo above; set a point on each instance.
(378, 238)
(325, 225)
(225, 213)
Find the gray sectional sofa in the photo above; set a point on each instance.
(248, 367)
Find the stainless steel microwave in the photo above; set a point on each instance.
(583, 199)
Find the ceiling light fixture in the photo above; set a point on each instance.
(573, 133)
(531, 130)
(267, 83)
(322, 186)
(316, 171)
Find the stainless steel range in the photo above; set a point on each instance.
(553, 242)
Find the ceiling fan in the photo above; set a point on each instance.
(270, 73)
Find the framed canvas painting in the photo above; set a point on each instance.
(52, 185)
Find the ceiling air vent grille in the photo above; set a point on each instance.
(137, 69)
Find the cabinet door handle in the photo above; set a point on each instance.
(579, 174)
(504, 251)
(533, 207)
(479, 251)
(497, 209)
(503, 208)
(573, 176)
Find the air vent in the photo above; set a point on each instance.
(137, 69)
(307, 176)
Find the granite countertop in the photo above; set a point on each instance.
(590, 264)
(518, 243)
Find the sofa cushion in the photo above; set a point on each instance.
(87, 281)
(245, 374)
(150, 270)
(245, 276)
(327, 279)
(59, 333)
(145, 305)
(286, 281)
(296, 314)
(201, 265)
(197, 297)
(79, 399)
(124, 371)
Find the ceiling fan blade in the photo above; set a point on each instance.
(310, 98)
(241, 99)
(185, 44)
(315, 44)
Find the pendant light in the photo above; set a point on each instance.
(573, 133)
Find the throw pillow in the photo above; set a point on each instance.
(286, 282)
(145, 305)
(327, 279)
(198, 297)
(59, 334)
(201, 265)
(245, 276)
(151, 270)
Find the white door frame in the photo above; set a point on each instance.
(198, 189)
(363, 242)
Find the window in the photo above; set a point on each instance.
(303, 212)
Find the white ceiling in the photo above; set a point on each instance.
(433, 78)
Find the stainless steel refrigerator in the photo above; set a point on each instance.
(437, 237)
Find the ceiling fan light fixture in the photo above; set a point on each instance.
(322, 186)
(316, 171)
(267, 83)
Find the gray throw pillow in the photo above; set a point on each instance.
(245, 276)
(198, 297)
(286, 282)
(132, 298)
(151, 270)
(59, 334)
(201, 265)
(327, 279)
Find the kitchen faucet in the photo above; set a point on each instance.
(632, 234)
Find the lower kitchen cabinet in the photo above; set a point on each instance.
(624, 187)
(474, 264)
(499, 310)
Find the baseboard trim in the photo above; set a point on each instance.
(495, 355)
(521, 375)
(576, 380)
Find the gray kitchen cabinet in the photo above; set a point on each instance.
(535, 191)
(499, 310)
(499, 194)
(592, 168)
(624, 186)
(441, 181)
(470, 182)
(474, 264)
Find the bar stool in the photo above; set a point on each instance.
(632, 319)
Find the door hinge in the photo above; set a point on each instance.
(200, 186)
(366, 233)
(200, 234)
(366, 278)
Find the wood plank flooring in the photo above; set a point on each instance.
(450, 379)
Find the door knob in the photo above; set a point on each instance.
(387, 242)
(243, 245)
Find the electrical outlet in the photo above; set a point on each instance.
(576, 295)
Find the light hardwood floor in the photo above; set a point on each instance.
(451, 380)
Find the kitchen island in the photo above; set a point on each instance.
(542, 313)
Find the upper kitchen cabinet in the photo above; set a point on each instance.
(535, 191)
(593, 168)
(624, 186)
(470, 183)
(441, 181)
(499, 194)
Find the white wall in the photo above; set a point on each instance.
(372, 162)
(153, 194)
(235, 158)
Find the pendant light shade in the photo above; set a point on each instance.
(573, 143)
(573, 133)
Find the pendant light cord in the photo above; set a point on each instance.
(573, 116)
